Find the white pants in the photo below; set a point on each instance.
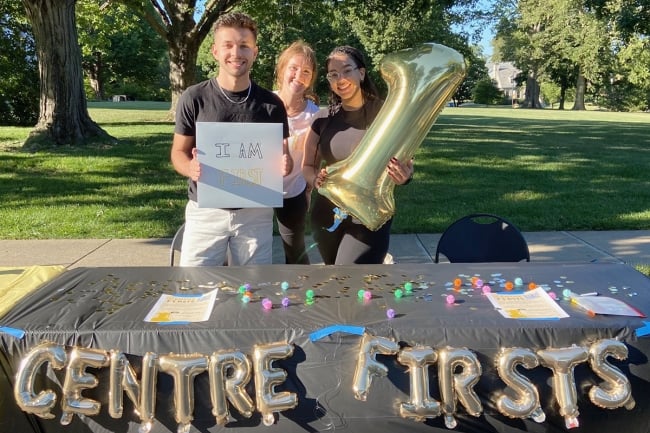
(211, 233)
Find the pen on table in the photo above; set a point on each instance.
(589, 312)
(589, 294)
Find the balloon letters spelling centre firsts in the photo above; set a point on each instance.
(230, 371)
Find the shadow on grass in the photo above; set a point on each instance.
(135, 177)
(542, 174)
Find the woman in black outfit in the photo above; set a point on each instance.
(353, 104)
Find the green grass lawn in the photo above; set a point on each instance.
(542, 169)
(545, 170)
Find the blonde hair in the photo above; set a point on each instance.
(303, 49)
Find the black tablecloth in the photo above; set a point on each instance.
(105, 308)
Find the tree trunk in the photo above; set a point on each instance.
(531, 99)
(182, 68)
(63, 113)
(581, 85)
(95, 78)
(564, 85)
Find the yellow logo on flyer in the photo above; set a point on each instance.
(515, 314)
(163, 316)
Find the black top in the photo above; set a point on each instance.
(341, 133)
(204, 102)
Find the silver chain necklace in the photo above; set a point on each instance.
(250, 86)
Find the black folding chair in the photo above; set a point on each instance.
(480, 238)
(177, 242)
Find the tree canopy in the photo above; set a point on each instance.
(175, 22)
(121, 54)
(18, 67)
(579, 43)
(150, 49)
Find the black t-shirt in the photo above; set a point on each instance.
(340, 134)
(204, 102)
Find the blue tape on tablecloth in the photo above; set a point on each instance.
(644, 330)
(329, 330)
(18, 333)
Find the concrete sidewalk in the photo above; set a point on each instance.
(631, 247)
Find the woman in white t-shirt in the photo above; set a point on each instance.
(295, 74)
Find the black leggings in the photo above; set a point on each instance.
(350, 243)
(291, 219)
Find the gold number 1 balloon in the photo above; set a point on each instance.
(420, 82)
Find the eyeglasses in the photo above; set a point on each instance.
(334, 76)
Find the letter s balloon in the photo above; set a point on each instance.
(616, 390)
(420, 82)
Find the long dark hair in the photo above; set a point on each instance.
(368, 88)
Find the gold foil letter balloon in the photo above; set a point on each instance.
(420, 82)
(525, 403)
(123, 378)
(268, 377)
(420, 406)
(226, 387)
(77, 379)
(24, 392)
(562, 362)
(616, 390)
(368, 366)
(184, 369)
(458, 385)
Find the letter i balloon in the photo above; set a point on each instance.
(420, 82)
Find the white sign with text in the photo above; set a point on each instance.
(241, 164)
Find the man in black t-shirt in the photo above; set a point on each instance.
(247, 234)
